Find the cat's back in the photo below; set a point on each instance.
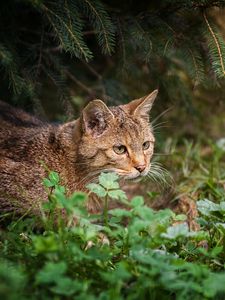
(22, 139)
(16, 124)
(11, 117)
(17, 130)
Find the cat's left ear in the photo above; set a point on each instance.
(141, 107)
(96, 118)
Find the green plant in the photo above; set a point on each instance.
(134, 253)
(102, 48)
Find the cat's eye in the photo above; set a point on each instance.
(121, 149)
(146, 145)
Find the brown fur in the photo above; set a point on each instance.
(78, 150)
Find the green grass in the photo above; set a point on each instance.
(133, 253)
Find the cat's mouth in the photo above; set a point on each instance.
(135, 175)
(132, 176)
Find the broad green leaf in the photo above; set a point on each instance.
(61, 189)
(51, 272)
(60, 196)
(47, 182)
(137, 201)
(117, 194)
(138, 225)
(119, 212)
(180, 217)
(222, 206)
(109, 180)
(214, 285)
(97, 189)
(66, 286)
(120, 273)
(173, 232)
(206, 207)
(54, 177)
(45, 244)
(144, 212)
(78, 198)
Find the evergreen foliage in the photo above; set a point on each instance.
(107, 49)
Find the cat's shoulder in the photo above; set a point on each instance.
(16, 117)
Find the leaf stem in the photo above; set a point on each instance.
(105, 211)
(216, 42)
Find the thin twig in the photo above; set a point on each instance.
(92, 70)
(54, 49)
(216, 42)
(79, 83)
(40, 54)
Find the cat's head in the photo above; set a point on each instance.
(118, 139)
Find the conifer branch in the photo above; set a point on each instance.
(197, 67)
(102, 24)
(8, 63)
(83, 50)
(152, 41)
(197, 75)
(216, 42)
(68, 14)
(143, 40)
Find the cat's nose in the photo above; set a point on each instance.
(140, 168)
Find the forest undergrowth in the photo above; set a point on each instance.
(131, 253)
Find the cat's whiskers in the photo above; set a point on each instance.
(162, 154)
(66, 149)
(159, 174)
(160, 125)
(155, 126)
(162, 114)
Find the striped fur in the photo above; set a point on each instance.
(79, 151)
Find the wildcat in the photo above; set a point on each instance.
(104, 139)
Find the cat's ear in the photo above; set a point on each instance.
(141, 107)
(96, 117)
